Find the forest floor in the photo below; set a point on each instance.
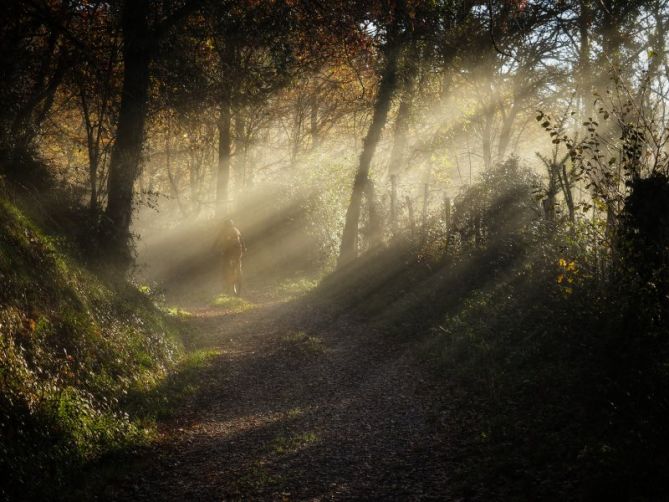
(294, 404)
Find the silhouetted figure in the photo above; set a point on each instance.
(231, 243)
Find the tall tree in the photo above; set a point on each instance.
(139, 44)
(34, 55)
(396, 38)
(387, 86)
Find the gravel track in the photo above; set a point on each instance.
(297, 406)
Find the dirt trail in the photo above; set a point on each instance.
(297, 406)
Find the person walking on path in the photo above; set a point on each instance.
(232, 246)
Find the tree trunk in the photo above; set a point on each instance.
(126, 155)
(93, 150)
(349, 241)
(447, 217)
(297, 131)
(22, 130)
(241, 149)
(398, 153)
(507, 128)
(568, 195)
(393, 204)
(486, 138)
(174, 186)
(412, 218)
(585, 77)
(28, 120)
(375, 235)
(50, 93)
(657, 43)
(423, 219)
(224, 154)
(314, 122)
(549, 201)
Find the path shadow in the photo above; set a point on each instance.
(281, 407)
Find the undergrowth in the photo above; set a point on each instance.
(553, 348)
(564, 389)
(72, 348)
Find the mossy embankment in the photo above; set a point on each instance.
(73, 347)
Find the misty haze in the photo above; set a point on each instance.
(332, 250)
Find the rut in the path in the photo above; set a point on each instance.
(298, 409)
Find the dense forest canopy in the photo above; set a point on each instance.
(191, 107)
(487, 178)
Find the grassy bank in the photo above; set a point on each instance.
(73, 348)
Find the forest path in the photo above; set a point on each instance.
(296, 406)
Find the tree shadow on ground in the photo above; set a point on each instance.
(281, 407)
(311, 397)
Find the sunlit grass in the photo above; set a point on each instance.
(295, 287)
(233, 303)
(178, 312)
